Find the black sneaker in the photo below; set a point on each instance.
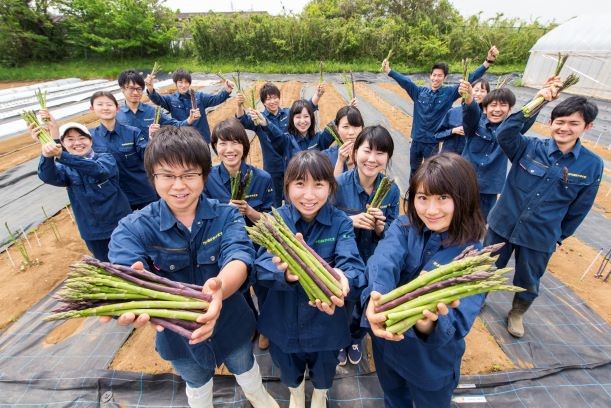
(342, 358)
(355, 354)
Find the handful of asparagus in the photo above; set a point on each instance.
(240, 184)
(96, 288)
(467, 276)
(381, 192)
(318, 279)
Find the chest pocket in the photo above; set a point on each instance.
(426, 99)
(128, 155)
(481, 144)
(566, 191)
(531, 173)
(208, 262)
(173, 262)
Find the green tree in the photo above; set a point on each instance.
(28, 32)
(120, 27)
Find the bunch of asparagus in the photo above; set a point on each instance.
(470, 275)
(333, 131)
(534, 106)
(43, 136)
(240, 184)
(96, 288)
(317, 278)
(381, 192)
(157, 115)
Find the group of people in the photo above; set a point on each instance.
(167, 209)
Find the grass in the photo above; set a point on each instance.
(110, 69)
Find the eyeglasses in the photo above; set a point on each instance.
(132, 89)
(186, 178)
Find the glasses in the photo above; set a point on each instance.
(186, 178)
(132, 89)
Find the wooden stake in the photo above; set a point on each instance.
(10, 258)
(591, 264)
(26, 237)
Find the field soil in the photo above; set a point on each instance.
(25, 285)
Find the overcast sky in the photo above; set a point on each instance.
(529, 10)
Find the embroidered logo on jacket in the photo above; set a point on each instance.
(212, 238)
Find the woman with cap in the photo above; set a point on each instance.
(91, 179)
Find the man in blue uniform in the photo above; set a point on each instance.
(431, 105)
(549, 190)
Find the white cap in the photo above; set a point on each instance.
(72, 125)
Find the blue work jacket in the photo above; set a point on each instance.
(286, 317)
(126, 144)
(430, 106)
(155, 237)
(273, 162)
(352, 199)
(93, 189)
(482, 149)
(451, 142)
(547, 193)
(144, 117)
(179, 106)
(288, 145)
(430, 362)
(260, 194)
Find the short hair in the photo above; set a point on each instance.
(483, 82)
(502, 95)
(311, 163)
(181, 75)
(442, 66)
(573, 104)
(352, 113)
(230, 130)
(268, 89)
(296, 108)
(449, 173)
(377, 137)
(103, 94)
(177, 146)
(128, 76)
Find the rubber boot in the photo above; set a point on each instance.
(252, 385)
(515, 325)
(319, 398)
(297, 396)
(200, 397)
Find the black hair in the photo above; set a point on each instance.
(181, 75)
(312, 163)
(483, 82)
(230, 130)
(573, 104)
(377, 137)
(268, 89)
(449, 173)
(296, 109)
(128, 76)
(442, 66)
(503, 95)
(352, 114)
(177, 146)
(105, 94)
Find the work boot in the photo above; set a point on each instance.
(252, 385)
(200, 397)
(297, 396)
(319, 398)
(519, 306)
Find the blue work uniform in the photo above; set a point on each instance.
(429, 109)
(168, 248)
(93, 189)
(483, 151)
(450, 142)
(273, 162)
(546, 196)
(260, 194)
(420, 369)
(144, 116)
(300, 335)
(288, 145)
(179, 105)
(352, 199)
(127, 144)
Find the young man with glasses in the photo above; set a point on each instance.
(141, 115)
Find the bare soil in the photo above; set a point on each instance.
(22, 288)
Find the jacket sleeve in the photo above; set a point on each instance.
(52, 173)
(208, 100)
(509, 135)
(406, 83)
(101, 167)
(579, 208)
(347, 257)
(444, 130)
(235, 244)
(268, 275)
(471, 115)
(325, 140)
(161, 100)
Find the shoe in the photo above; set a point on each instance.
(355, 354)
(342, 358)
(515, 324)
(263, 342)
